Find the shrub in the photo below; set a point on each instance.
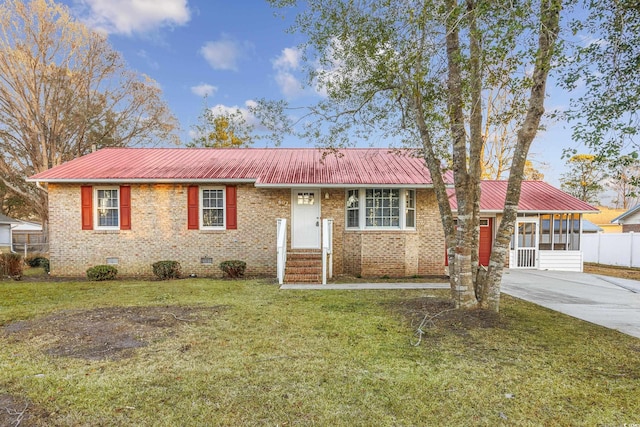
(11, 264)
(233, 268)
(38, 261)
(45, 265)
(164, 270)
(34, 260)
(102, 272)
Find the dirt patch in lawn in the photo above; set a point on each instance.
(107, 333)
(20, 412)
(440, 315)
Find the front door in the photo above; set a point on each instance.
(305, 222)
(526, 242)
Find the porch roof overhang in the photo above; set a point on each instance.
(493, 212)
(536, 197)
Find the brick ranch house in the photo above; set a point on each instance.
(373, 211)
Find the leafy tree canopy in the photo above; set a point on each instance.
(222, 129)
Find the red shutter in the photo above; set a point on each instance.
(86, 206)
(125, 207)
(232, 208)
(192, 207)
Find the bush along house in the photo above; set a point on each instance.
(300, 215)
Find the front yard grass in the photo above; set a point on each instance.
(246, 353)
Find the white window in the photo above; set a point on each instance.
(353, 209)
(212, 208)
(410, 208)
(107, 212)
(380, 208)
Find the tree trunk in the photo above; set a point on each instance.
(549, 28)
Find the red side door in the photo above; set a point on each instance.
(486, 241)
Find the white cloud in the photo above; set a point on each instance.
(289, 85)
(224, 54)
(289, 59)
(246, 114)
(204, 89)
(284, 65)
(139, 16)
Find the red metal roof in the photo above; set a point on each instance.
(536, 196)
(264, 166)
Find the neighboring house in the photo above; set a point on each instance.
(590, 227)
(28, 237)
(604, 217)
(6, 226)
(133, 207)
(630, 220)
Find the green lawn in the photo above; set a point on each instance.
(263, 356)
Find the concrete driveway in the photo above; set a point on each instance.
(606, 301)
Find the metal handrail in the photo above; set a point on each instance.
(281, 248)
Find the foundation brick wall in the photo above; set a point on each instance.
(159, 232)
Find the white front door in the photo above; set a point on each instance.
(526, 242)
(305, 222)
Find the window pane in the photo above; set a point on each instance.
(212, 208)
(352, 218)
(410, 221)
(212, 218)
(107, 208)
(382, 207)
(108, 218)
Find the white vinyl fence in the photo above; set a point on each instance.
(621, 249)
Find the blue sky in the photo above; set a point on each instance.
(234, 52)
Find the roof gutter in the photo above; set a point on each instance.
(140, 180)
(520, 211)
(344, 185)
(220, 181)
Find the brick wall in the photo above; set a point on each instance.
(627, 228)
(402, 253)
(159, 232)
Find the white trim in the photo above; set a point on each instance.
(535, 220)
(96, 207)
(201, 190)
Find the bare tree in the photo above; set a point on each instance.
(623, 180)
(63, 89)
(584, 178)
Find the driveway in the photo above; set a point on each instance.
(606, 301)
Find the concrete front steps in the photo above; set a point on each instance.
(303, 267)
